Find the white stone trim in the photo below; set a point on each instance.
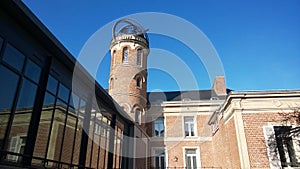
(273, 153)
(241, 140)
(187, 139)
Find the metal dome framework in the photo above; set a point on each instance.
(132, 27)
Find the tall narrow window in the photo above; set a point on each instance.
(114, 57)
(111, 83)
(287, 145)
(159, 129)
(190, 158)
(138, 82)
(137, 115)
(159, 159)
(125, 55)
(139, 57)
(189, 126)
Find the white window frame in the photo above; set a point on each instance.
(16, 148)
(198, 160)
(153, 151)
(195, 126)
(272, 148)
(164, 134)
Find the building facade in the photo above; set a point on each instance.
(47, 122)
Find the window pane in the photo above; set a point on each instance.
(8, 87)
(18, 135)
(52, 85)
(55, 143)
(3, 125)
(44, 128)
(189, 162)
(69, 137)
(74, 101)
(63, 92)
(27, 95)
(33, 71)
(194, 162)
(190, 151)
(13, 57)
(125, 55)
(159, 127)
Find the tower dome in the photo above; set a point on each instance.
(129, 29)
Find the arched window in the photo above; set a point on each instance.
(111, 86)
(125, 55)
(114, 57)
(138, 82)
(139, 56)
(137, 115)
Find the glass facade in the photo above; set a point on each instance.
(44, 123)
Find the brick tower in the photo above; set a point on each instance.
(128, 71)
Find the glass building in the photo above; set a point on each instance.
(44, 122)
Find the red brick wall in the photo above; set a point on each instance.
(253, 123)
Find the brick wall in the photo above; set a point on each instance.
(253, 124)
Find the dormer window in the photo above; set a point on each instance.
(125, 55)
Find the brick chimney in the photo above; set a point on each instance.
(219, 85)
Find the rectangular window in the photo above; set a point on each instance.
(288, 146)
(191, 158)
(189, 126)
(17, 145)
(159, 128)
(283, 146)
(159, 159)
(139, 57)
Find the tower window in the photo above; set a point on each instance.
(125, 55)
(114, 57)
(139, 57)
(137, 115)
(111, 83)
(138, 82)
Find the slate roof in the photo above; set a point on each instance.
(155, 97)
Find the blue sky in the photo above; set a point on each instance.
(258, 41)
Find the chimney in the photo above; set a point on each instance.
(219, 85)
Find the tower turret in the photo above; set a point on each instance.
(128, 73)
